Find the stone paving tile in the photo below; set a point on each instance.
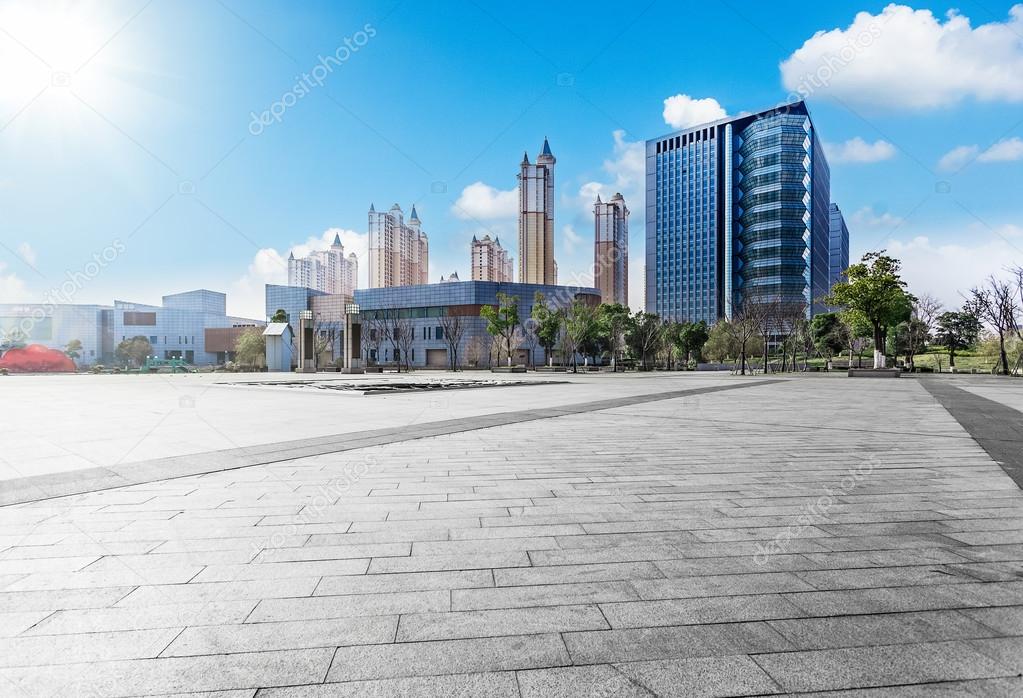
(173, 674)
(487, 685)
(411, 581)
(886, 629)
(350, 606)
(447, 657)
(541, 595)
(612, 646)
(879, 666)
(565, 574)
(599, 681)
(42, 650)
(135, 618)
(494, 623)
(260, 637)
(455, 562)
(714, 609)
(701, 676)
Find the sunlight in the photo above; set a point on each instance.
(49, 48)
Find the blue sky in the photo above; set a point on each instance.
(131, 123)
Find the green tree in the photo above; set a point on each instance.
(612, 319)
(580, 330)
(720, 345)
(250, 348)
(875, 290)
(73, 349)
(547, 325)
(134, 351)
(829, 334)
(503, 320)
(643, 336)
(690, 339)
(957, 330)
(279, 316)
(13, 339)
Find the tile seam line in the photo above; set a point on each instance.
(278, 455)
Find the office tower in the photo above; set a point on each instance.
(611, 250)
(399, 253)
(327, 270)
(536, 219)
(490, 261)
(838, 247)
(737, 209)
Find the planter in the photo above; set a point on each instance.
(874, 373)
(551, 369)
(508, 369)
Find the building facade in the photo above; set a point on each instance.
(490, 261)
(177, 329)
(737, 209)
(399, 251)
(425, 308)
(536, 218)
(611, 249)
(327, 270)
(193, 326)
(56, 325)
(838, 258)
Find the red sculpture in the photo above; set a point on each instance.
(35, 358)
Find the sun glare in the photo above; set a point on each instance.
(50, 48)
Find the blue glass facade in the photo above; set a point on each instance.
(736, 208)
(839, 246)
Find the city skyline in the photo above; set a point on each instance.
(180, 168)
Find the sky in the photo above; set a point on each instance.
(150, 147)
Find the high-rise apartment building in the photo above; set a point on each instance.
(611, 249)
(399, 252)
(838, 248)
(536, 218)
(490, 261)
(737, 209)
(327, 270)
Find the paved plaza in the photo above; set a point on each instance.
(604, 535)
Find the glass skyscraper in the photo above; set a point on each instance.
(839, 247)
(737, 208)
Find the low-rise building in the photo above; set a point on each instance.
(193, 326)
(424, 311)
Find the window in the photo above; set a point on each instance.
(133, 319)
(152, 340)
(439, 332)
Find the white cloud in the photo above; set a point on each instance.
(626, 172)
(270, 266)
(12, 287)
(481, 201)
(682, 111)
(956, 158)
(27, 253)
(572, 239)
(948, 270)
(867, 217)
(908, 58)
(857, 150)
(1005, 150)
